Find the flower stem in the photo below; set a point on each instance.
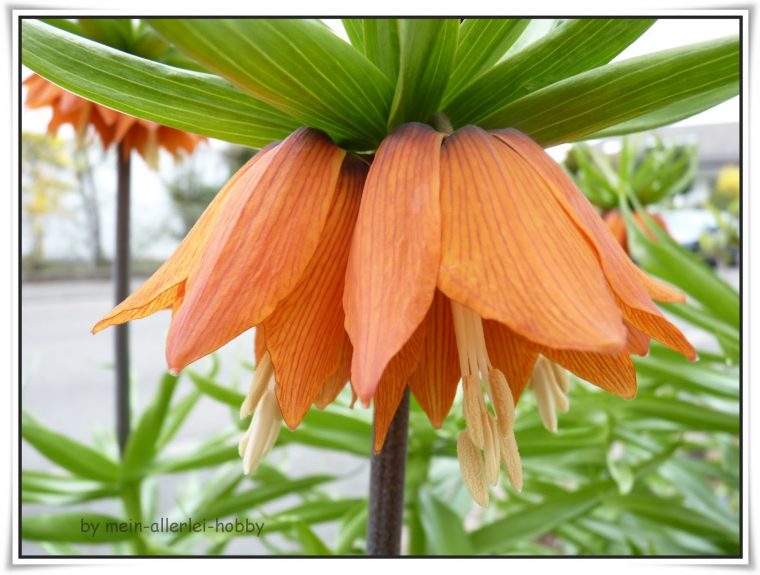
(386, 488)
(121, 291)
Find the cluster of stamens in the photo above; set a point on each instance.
(489, 438)
(550, 386)
(266, 422)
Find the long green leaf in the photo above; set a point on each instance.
(242, 502)
(195, 102)
(482, 41)
(538, 518)
(76, 457)
(427, 48)
(355, 29)
(74, 528)
(297, 66)
(570, 49)
(684, 108)
(444, 530)
(609, 95)
(142, 446)
(381, 44)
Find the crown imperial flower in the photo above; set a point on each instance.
(465, 257)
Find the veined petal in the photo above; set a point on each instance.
(393, 265)
(267, 235)
(391, 388)
(623, 275)
(611, 372)
(335, 382)
(510, 252)
(434, 382)
(510, 354)
(305, 333)
(638, 341)
(167, 284)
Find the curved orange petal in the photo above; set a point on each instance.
(510, 252)
(611, 372)
(41, 92)
(434, 382)
(266, 236)
(621, 272)
(305, 333)
(510, 354)
(163, 288)
(394, 258)
(638, 341)
(394, 381)
(335, 382)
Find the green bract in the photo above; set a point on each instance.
(554, 82)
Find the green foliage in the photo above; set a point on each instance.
(653, 172)
(552, 80)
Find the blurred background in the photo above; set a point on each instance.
(312, 491)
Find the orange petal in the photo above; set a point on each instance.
(392, 384)
(510, 354)
(611, 372)
(259, 344)
(615, 222)
(510, 252)
(266, 236)
(395, 253)
(638, 341)
(621, 272)
(335, 382)
(305, 333)
(434, 382)
(163, 287)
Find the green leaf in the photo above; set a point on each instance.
(114, 32)
(195, 102)
(671, 513)
(575, 47)
(381, 44)
(427, 48)
(482, 42)
(177, 416)
(687, 415)
(355, 30)
(675, 369)
(141, 446)
(250, 499)
(537, 519)
(684, 108)
(353, 526)
(54, 489)
(218, 392)
(311, 544)
(79, 527)
(444, 529)
(209, 455)
(606, 96)
(666, 259)
(297, 66)
(76, 457)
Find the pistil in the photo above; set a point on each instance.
(489, 437)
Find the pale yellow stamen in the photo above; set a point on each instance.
(471, 465)
(482, 445)
(491, 449)
(266, 423)
(259, 384)
(511, 457)
(550, 385)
